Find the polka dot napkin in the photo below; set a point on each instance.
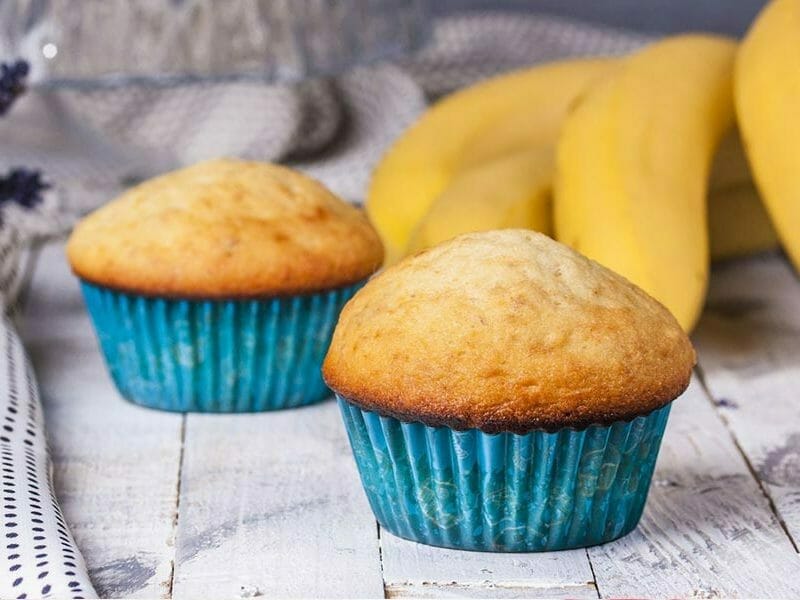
(38, 557)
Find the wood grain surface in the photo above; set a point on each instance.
(707, 531)
(115, 465)
(749, 341)
(270, 505)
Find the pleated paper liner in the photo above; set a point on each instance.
(505, 492)
(216, 356)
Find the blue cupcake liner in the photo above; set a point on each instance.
(216, 355)
(505, 492)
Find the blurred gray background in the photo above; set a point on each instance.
(656, 16)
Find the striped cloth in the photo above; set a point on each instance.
(336, 130)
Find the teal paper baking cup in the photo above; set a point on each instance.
(505, 492)
(216, 355)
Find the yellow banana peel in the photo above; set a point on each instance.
(767, 92)
(423, 161)
(633, 163)
(511, 191)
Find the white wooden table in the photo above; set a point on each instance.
(205, 506)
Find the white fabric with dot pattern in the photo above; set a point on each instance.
(38, 557)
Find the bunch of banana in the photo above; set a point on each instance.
(424, 161)
(767, 91)
(633, 163)
(738, 224)
(636, 162)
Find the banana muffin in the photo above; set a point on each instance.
(216, 287)
(502, 392)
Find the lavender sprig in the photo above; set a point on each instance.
(20, 186)
(23, 187)
(12, 83)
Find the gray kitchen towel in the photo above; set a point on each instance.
(93, 143)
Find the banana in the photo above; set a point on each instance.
(423, 161)
(767, 93)
(506, 181)
(515, 133)
(730, 168)
(738, 224)
(509, 192)
(514, 190)
(633, 162)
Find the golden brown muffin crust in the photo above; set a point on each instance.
(506, 331)
(225, 229)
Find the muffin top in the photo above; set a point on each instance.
(225, 229)
(506, 331)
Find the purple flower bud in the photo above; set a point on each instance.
(23, 187)
(12, 83)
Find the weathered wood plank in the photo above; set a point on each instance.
(271, 504)
(116, 465)
(708, 530)
(749, 339)
(420, 571)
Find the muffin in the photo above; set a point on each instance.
(216, 288)
(503, 393)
